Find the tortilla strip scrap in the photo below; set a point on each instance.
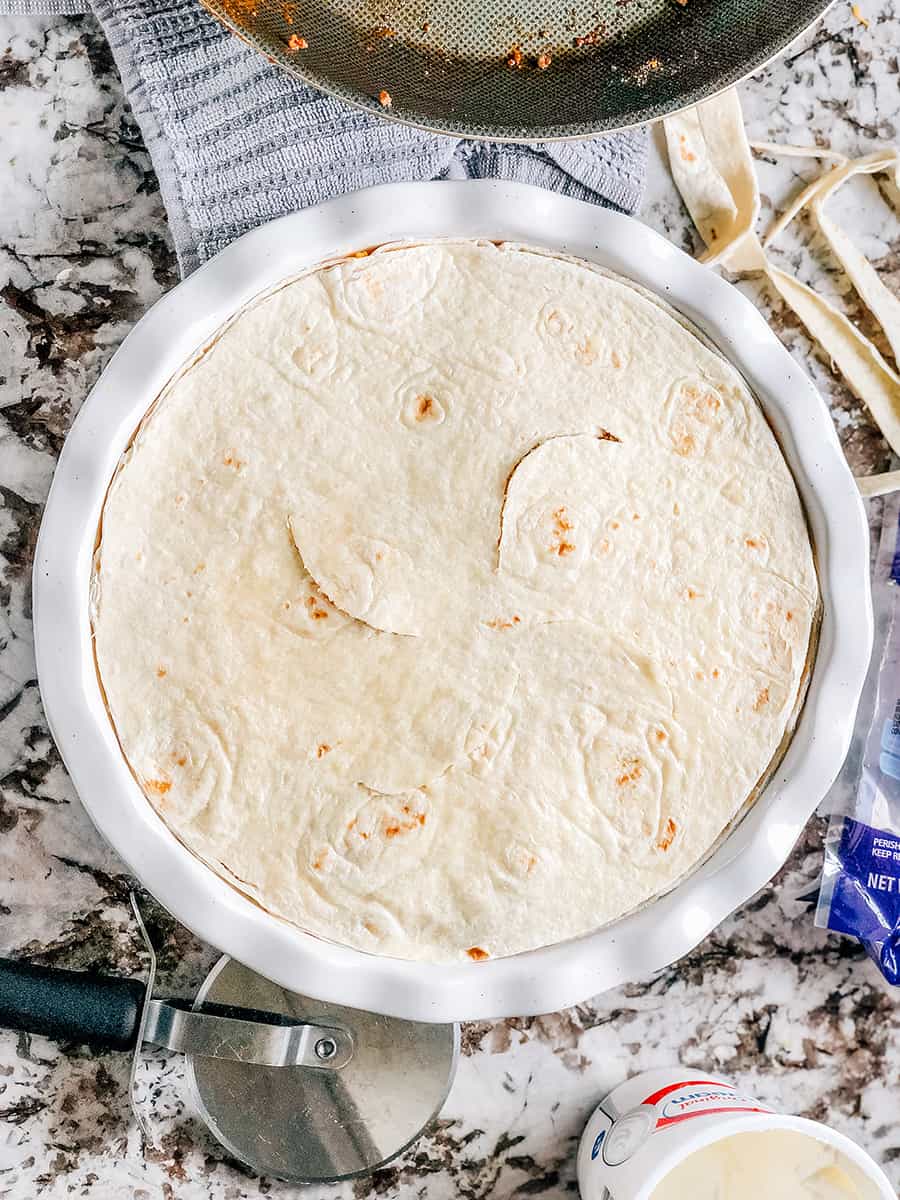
(712, 167)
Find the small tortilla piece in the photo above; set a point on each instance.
(362, 576)
(713, 169)
(777, 150)
(866, 372)
(591, 533)
(878, 299)
(878, 485)
(704, 191)
(825, 185)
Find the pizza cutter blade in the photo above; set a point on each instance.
(292, 1087)
(313, 1126)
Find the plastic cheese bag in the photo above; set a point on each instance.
(860, 893)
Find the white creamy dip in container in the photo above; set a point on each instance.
(674, 1134)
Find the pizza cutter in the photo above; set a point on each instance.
(292, 1087)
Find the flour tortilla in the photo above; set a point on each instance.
(344, 655)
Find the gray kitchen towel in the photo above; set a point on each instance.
(236, 141)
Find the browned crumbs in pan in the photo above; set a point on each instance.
(590, 39)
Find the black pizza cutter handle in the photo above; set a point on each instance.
(99, 1010)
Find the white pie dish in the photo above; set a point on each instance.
(539, 980)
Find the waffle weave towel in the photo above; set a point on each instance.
(236, 141)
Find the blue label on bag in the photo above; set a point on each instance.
(866, 898)
(894, 576)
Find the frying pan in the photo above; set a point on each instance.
(472, 68)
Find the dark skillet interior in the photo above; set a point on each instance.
(613, 63)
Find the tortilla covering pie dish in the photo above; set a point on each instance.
(454, 601)
(452, 604)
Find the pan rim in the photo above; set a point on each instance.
(363, 102)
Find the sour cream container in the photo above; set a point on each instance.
(645, 1128)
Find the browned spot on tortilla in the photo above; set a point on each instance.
(362, 833)
(231, 460)
(414, 821)
(476, 953)
(762, 699)
(604, 435)
(699, 675)
(661, 735)
(585, 352)
(789, 616)
(322, 749)
(319, 614)
(715, 673)
(518, 463)
(161, 672)
(668, 835)
(424, 407)
(616, 362)
(754, 543)
(319, 860)
(500, 623)
(199, 567)
(691, 594)
(561, 526)
(160, 786)
(685, 154)
(676, 509)
(632, 769)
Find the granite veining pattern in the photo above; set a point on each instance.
(798, 1017)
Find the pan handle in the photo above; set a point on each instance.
(74, 1006)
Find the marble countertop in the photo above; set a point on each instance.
(800, 1018)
